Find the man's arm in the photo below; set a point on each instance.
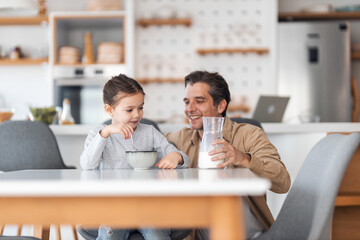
(251, 148)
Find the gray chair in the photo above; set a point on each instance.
(246, 120)
(28, 145)
(308, 208)
(91, 234)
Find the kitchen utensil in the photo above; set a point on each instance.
(88, 49)
(132, 143)
(212, 130)
(65, 116)
(110, 52)
(141, 159)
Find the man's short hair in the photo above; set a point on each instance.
(219, 89)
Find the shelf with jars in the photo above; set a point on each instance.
(87, 48)
(20, 58)
(75, 35)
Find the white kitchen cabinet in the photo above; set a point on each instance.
(82, 82)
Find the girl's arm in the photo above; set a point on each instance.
(168, 151)
(93, 148)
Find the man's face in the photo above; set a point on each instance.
(198, 104)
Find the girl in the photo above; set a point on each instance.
(106, 145)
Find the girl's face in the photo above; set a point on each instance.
(128, 110)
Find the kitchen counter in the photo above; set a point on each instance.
(269, 128)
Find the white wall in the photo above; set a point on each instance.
(248, 75)
(22, 86)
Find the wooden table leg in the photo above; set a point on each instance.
(73, 228)
(226, 218)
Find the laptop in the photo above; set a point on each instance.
(270, 108)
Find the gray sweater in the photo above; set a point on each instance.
(102, 153)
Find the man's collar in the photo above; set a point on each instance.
(227, 129)
(195, 137)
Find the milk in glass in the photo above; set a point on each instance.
(212, 130)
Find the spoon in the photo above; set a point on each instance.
(132, 142)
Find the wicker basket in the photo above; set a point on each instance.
(69, 55)
(110, 52)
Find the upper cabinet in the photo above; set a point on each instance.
(88, 47)
(86, 38)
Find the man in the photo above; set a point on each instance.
(244, 145)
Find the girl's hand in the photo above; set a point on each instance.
(117, 128)
(170, 161)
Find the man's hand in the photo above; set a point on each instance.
(170, 161)
(229, 154)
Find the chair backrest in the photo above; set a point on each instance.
(309, 205)
(143, 120)
(28, 145)
(246, 120)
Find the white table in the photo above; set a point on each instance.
(182, 198)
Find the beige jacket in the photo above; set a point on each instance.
(265, 160)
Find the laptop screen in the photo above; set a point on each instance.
(270, 108)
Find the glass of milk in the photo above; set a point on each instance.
(212, 130)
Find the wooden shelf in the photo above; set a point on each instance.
(23, 61)
(204, 51)
(85, 64)
(241, 108)
(298, 16)
(160, 80)
(37, 20)
(176, 21)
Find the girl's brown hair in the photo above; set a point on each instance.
(119, 87)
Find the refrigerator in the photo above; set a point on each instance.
(314, 70)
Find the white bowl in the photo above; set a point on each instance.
(141, 159)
